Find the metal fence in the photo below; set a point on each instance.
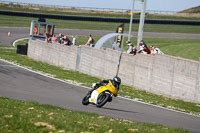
(85, 8)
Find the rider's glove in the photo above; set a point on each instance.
(93, 85)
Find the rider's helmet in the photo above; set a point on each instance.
(117, 80)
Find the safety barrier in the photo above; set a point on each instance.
(99, 19)
(161, 74)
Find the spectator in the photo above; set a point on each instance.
(90, 41)
(60, 38)
(66, 41)
(47, 38)
(54, 38)
(155, 50)
(143, 43)
(35, 31)
(141, 46)
(134, 51)
(130, 47)
(74, 40)
(146, 50)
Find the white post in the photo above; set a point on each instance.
(141, 26)
(131, 20)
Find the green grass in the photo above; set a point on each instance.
(21, 42)
(185, 48)
(179, 47)
(86, 80)
(70, 24)
(31, 117)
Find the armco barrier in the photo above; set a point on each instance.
(161, 74)
(99, 19)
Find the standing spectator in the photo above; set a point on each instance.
(90, 41)
(74, 40)
(155, 50)
(47, 38)
(66, 41)
(54, 38)
(35, 31)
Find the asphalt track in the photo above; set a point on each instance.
(22, 84)
(22, 32)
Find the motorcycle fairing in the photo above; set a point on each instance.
(109, 87)
(93, 98)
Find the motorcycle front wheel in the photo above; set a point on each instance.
(85, 100)
(102, 99)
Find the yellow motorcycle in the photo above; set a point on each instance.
(101, 95)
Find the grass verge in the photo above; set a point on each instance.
(86, 80)
(31, 117)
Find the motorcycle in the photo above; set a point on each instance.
(101, 95)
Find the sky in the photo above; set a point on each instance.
(159, 5)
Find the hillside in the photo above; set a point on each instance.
(192, 10)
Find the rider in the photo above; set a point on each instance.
(116, 81)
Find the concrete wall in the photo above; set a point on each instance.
(161, 74)
(53, 53)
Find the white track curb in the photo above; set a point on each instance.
(18, 40)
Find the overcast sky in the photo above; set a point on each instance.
(161, 5)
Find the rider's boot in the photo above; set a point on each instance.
(110, 99)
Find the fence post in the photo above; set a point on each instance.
(78, 58)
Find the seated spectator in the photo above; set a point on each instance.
(155, 50)
(146, 50)
(141, 47)
(54, 38)
(143, 43)
(134, 51)
(130, 48)
(60, 38)
(66, 41)
(90, 41)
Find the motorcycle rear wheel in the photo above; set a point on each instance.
(102, 99)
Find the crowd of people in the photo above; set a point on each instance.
(143, 49)
(61, 39)
(64, 40)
